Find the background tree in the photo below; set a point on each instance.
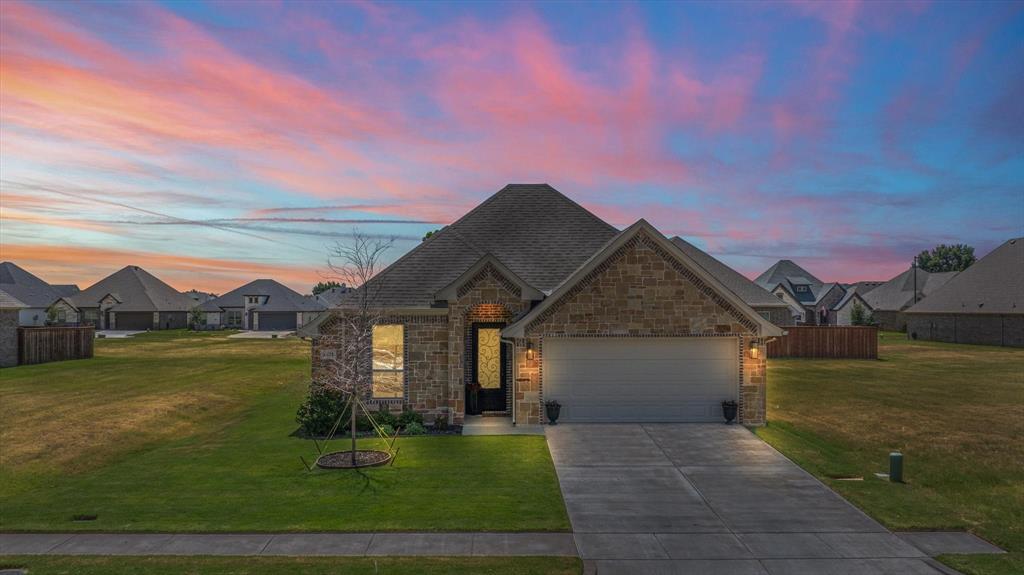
(196, 317)
(857, 316)
(321, 287)
(943, 258)
(427, 235)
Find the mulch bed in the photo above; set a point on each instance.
(343, 459)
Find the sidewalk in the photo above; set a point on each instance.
(304, 544)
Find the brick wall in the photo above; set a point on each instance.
(641, 291)
(890, 320)
(8, 337)
(978, 329)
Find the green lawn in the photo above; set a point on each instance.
(295, 565)
(955, 411)
(183, 432)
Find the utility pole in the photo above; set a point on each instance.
(915, 278)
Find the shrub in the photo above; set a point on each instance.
(387, 430)
(384, 416)
(408, 417)
(415, 428)
(321, 409)
(441, 422)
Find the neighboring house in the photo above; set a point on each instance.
(825, 298)
(889, 300)
(199, 297)
(842, 312)
(36, 295)
(261, 305)
(796, 286)
(132, 299)
(530, 298)
(333, 296)
(983, 304)
(769, 306)
(9, 308)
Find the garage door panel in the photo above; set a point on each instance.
(277, 321)
(641, 379)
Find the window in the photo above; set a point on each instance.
(234, 317)
(62, 315)
(388, 361)
(801, 288)
(90, 316)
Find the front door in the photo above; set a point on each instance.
(488, 370)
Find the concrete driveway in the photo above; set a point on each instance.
(711, 498)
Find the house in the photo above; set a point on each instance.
(983, 304)
(530, 298)
(769, 306)
(331, 297)
(35, 294)
(842, 312)
(261, 305)
(199, 297)
(889, 300)
(797, 287)
(9, 308)
(132, 299)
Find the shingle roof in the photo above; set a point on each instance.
(748, 291)
(25, 287)
(783, 271)
(136, 290)
(824, 289)
(7, 301)
(993, 284)
(332, 297)
(533, 229)
(65, 290)
(898, 293)
(854, 290)
(279, 298)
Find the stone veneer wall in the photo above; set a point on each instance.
(641, 291)
(888, 320)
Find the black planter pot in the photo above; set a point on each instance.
(553, 409)
(729, 411)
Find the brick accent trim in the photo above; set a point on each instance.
(489, 270)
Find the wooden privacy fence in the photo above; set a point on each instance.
(46, 344)
(827, 342)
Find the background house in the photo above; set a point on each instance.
(983, 304)
(794, 285)
(889, 300)
(132, 299)
(35, 295)
(261, 305)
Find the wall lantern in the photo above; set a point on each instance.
(529, 350)
(755, 350)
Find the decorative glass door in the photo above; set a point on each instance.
(488, 370)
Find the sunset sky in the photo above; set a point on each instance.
(216, 143)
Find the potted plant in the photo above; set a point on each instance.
(729, 410)
(553, 409)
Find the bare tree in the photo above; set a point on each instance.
(350, 369)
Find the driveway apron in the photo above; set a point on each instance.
(708, 498)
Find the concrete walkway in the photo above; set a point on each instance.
(298, 544)
(480, 425)
(693, 498)
(262, 334)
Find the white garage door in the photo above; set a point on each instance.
(641, 379)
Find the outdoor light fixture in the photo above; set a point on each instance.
(755, 350)
(529, 350)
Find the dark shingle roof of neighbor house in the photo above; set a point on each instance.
(7, 301)
(824, 289)
(993, 284)
(136, 290)
(538, 233)
(65, 290)
(332, 296)
(786, 271)
(279, 298)
(854, 290)
(25, 287)
(864, 287)
(898, 293)
(753, 294)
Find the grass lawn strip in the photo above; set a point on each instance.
(955, 411)
(224, 459)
